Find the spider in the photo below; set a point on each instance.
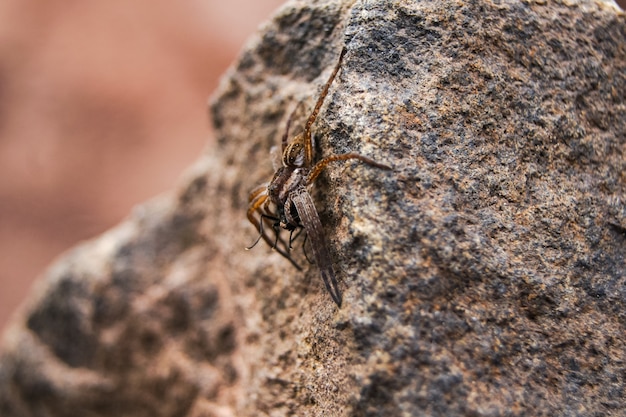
(285, 202)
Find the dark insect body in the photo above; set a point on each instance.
(285, 203)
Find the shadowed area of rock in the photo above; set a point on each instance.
(483, 276)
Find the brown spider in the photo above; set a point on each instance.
(285, 203)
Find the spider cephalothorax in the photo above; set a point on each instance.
(285, 203)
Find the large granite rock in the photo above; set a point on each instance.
(483, 276)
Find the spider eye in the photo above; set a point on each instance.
(294, 154)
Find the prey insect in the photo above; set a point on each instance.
(285, 203)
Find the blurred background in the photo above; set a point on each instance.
(103, 104)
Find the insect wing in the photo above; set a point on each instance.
(313, 226)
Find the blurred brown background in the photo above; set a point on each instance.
(102, 106)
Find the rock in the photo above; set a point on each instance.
(483, 276)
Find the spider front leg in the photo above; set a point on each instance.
(285, 139)
(308, 141)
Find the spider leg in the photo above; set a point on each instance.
(257, 198)
(319, 167)
(256, 193)
(285, 138)
(277, 158)
(308, 146)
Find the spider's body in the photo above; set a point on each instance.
(285, 203)
(286, 180)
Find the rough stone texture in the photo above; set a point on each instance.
(483, 276)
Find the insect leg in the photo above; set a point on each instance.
(306, 255)
(293, 235)
(264, 218)
(258, 203)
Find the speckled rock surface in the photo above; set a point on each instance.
(483, 276)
